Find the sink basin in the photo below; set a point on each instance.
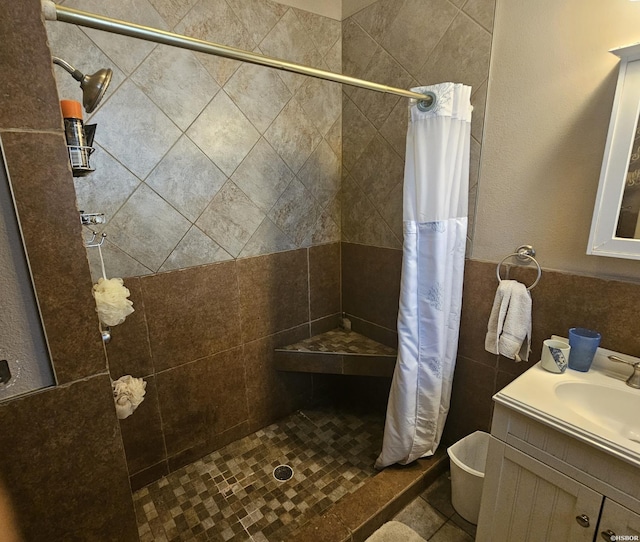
(612, 409)
(595, 407)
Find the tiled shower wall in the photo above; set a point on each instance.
(223, 177)
(203, 339)
(201, 159)
(404, 43)
(61, 455)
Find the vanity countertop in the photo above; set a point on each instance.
(596, 407)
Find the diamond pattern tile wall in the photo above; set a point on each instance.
(321, 101)
(138, 133)
(409, 34)
(215, 21)
(242, 160)
(172, 11)
(293, 135)
(108, 187)
(321, 174)
(258, 16)
(231, 219)
(263, 175)
(389, 43)
(195, 248)
(224, 133)
(267, 238)
(201, 159)
(248, 88)
(186, 179)
(295, 212)
(127, 53)
(177, 83)
(289, 39)
(148, 227)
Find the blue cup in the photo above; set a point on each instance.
(584, 343)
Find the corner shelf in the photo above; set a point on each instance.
(337, 352)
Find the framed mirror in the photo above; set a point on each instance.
(615, 228)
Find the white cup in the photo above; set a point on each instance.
(555, 356)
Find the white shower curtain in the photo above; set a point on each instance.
(435, 230)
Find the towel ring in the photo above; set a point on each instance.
(524, 252)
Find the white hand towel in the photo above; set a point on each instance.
(498, 314)
(509, 327)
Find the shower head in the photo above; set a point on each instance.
(93, 86)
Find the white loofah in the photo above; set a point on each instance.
(112, 304)
(128, 393)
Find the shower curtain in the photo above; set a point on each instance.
(435, 230)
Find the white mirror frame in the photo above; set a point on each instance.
(617, 152)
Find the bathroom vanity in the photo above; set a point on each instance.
(564, 457)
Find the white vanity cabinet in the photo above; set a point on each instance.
(542, 484)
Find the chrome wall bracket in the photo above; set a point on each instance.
(91, 219)
(524, 253)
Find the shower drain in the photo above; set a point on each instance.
(283, 473)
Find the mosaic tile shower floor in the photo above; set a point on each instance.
(232, 495)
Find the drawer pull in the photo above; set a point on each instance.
(583, 520)
(608, 535)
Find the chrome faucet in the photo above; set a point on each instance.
(634, 379)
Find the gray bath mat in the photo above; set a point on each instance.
(394, 531)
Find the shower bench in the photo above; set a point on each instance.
(337, 352)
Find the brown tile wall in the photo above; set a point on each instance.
(324, 280)
(370, 290)
(560, 301)
(203, 339)
(61, 454)
(62, 459)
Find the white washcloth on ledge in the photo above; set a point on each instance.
(509, 327)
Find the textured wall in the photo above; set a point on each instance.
(548, 111)
(404, 43)
(201, 159)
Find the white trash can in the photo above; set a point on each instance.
(468, 457)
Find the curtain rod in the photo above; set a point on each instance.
(53, 12)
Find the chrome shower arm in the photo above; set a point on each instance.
(77, 74)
